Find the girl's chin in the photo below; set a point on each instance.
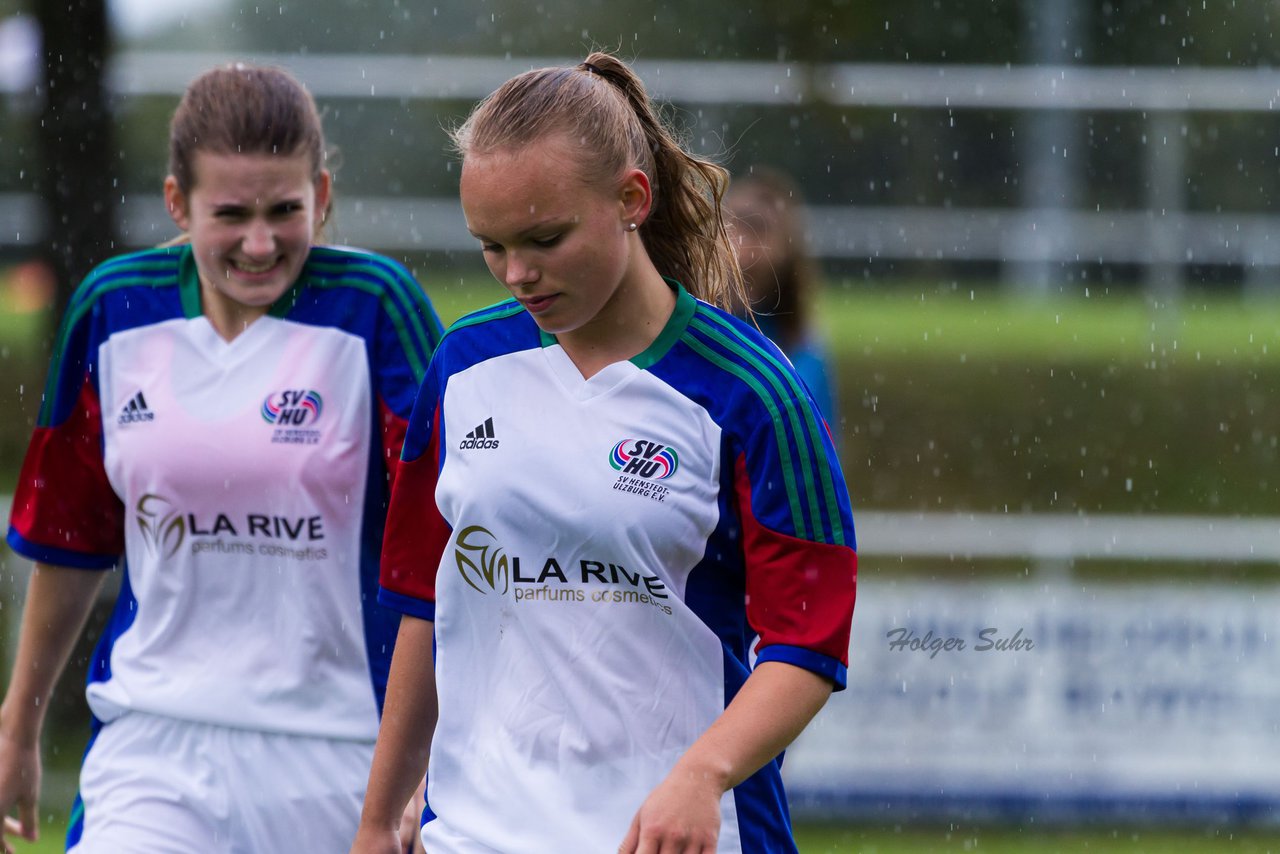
(254, 296)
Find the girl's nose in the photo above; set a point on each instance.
(519, 272)
(259, 241)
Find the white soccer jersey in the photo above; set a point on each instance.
(597, 556)
(244, 482)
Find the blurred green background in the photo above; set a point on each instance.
(966, 381)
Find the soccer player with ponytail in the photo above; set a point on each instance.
(620, 539)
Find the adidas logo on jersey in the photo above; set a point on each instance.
(481, 437)
(135, 411)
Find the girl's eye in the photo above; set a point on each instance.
(548, 242)
(490, 247)
(285, 210)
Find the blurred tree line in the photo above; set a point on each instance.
(840, 155)
(81, 156)
(65, 152)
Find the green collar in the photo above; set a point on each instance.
(189, 283)
(686, 305)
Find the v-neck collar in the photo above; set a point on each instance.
(210, 341)
(618, 373)
(676, 324)
(226, 353)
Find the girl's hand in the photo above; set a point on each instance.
(376, 841)
(410, 822)
(20, 787)
(680, 816)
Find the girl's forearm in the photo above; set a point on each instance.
(408, 720)
(58, 603)
(773, 706)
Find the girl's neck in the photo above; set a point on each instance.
(227, 317)
(625, 327)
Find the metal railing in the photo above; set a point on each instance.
(1163, 238)
(1048, 542)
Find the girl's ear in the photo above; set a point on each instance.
(175, 201)
(636, 198)
(324, 194)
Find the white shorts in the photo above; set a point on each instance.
(155, 785)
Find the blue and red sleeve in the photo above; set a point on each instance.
(65, 511)
(800, 592)
(416, 532)
(411, 332)
(799, 550)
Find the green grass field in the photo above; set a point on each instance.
(1016, 841)
(942, 840)
(990, 324)
(928, 322)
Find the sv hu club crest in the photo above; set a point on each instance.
(642, 458)
(292, 407)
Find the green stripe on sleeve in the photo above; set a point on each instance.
(410, 327)
(788, 476)
(89, 294)
(506, 308)
(803, 423)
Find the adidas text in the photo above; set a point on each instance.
(468, 444)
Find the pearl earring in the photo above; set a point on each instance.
(631, 226)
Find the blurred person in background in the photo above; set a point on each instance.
(223, 418)
(765, 213)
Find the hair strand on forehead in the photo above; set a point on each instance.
(244, 109)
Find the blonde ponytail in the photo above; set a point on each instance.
(604, 105)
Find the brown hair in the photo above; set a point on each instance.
(244, 109)
(603, 104)
(787, 298)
